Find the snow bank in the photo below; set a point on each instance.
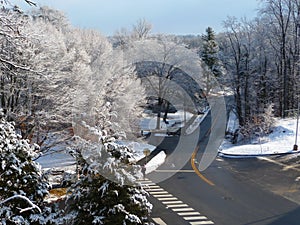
(155, 162)
(280, 141)
(138, 148)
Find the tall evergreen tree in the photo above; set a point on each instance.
(210, 52)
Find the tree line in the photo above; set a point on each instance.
(259, 60)
(67, 87)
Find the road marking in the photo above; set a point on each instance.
(285, 167)
(154, 189)
(167, 199)
(188, 213)
(172, 171)
(151, 186)
(146, 181)
(195, 218)
(159, 221)
(150, 183)
(177, 206)
(157, 192)
(172, 202)
(193, 157)
(183, 209)
(196, 169)
(202, 223)
(160, 196)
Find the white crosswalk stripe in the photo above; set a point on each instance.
(157, 192)
(174, 204)
(151, 186)
(167, 199)
(162, 195)
(188, 213)
(183, 210)
(195, 218)
(202, 223)
(177, 206)
(153, 189)
(159, 221)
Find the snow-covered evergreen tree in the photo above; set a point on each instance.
(210, 53)
(22, 185)
(107, 191)
(211, 64)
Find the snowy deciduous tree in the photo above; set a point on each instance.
(282, 18)
(111, 99)
(52, 71)
(158, 62)
(123, 37)
(141, 29)
(262, 59)
(65, 73)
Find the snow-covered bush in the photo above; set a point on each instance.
(107, 191)
(259, 125)
(22, 184)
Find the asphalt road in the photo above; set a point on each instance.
(241, 192)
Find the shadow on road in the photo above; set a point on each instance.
(290, 218)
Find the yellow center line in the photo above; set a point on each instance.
(196, 169)
(193, 157)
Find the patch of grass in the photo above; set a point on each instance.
(58, 192)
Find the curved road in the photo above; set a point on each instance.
(236, 192)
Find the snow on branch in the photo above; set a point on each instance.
(32, 206)
(17, 66)
(30, 3)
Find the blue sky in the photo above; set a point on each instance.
(166, 16)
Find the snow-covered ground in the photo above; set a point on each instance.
(280, 141)
(56, 159)
(175, 120)
(155, 162)
(138, 148)
(61, 161)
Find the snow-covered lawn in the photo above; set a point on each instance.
(56, 159)
(61, 161)
(149, 122)
(281, 140)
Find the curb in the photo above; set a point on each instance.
(227, 155)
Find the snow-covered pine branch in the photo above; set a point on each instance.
(27, 200)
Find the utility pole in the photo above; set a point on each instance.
(295, 148)
(297, 125)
